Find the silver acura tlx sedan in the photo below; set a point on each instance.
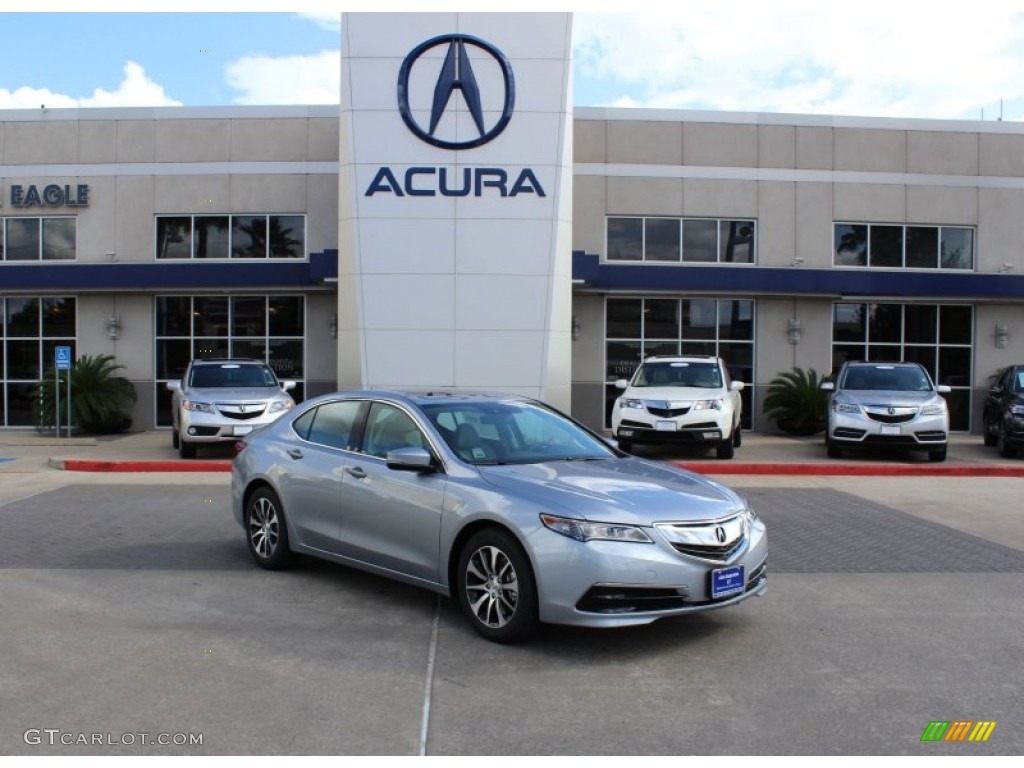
(513, 509)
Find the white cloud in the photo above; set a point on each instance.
(313, 79)
(325, 19)
(920, 65)
(135, 90)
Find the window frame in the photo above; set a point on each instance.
(682, 261)
(268, 252)
(904, 228)
(39, 232)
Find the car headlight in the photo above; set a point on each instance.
(630, 402)
(934, 409)
(584, 530)
(839, 407)
(280, 405)
(705, 405)
(195, 405)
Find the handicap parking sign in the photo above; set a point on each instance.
(63, 358)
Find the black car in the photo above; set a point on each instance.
(1004, 411)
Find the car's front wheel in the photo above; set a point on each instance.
(496, 588)
(726, 449)
(1006, 450)
(937, 454)
(186, 450)
(991, 438)
(267, 531)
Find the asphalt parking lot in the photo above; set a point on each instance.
(130, 606)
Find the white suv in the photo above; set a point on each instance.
(682, 400)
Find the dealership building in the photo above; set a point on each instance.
(457, 223)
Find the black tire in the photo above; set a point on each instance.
(725, 449)
(1006, 450)
(990, 437)
(937, 454)
(185, 449)
(266, 531)
(833, 450)
(737, 437)
(490, 563)
(625, 445)
(174, 439)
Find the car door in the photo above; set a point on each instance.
(312, 464)
(392, 518)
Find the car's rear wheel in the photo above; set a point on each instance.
(267, 531)
(937, 454)
(496, 587)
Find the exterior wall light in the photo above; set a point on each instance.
(332, 325)
(796, 331)
(1002, 336)
(114, 327)
(575, 328)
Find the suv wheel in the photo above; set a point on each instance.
(174, 439)
(1006, 450)
(625, 445)
(267, 531)
(737, 437)
(726, 449)
(833, 450)
(937, 454)
(990, 437)
(186, 450)
(496, 587)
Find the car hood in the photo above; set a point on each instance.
(228, 394)
(621, 490)
(886, 397)
(676, 397)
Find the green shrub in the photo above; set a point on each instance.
(100, 403)
(797, 402)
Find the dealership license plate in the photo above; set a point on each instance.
(727, 581)
(890, 430)
(665, 426)
(242, 430)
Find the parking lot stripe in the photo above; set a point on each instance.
(429, 687)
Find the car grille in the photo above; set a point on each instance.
(885, 418)
(718, 540)
(242, 411)
(668, 412)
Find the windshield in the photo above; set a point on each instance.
(232, 375)
(704, 375)
(889, 378)
(512, 433)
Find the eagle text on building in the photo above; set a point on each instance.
(52, 196)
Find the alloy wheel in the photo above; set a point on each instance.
(264, 527)
(492, 587)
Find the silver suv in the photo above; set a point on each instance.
(879, 404)
(221, 400)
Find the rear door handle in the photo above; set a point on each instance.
(357, 472)
(295, 453)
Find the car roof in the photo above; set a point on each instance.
(680, 359)
(427, 396)
(882, 363)
(228, 360)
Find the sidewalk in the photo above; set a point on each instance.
(760, 454)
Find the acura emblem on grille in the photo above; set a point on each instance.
(720, 534)
(241, 409)
(892, 411)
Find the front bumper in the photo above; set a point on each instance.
(614, 584)
(853, 430)
(201, 427)
(642, 428)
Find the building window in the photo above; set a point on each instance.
(38, 239)
(903, 246)
(30, 330)
(249, 236)
(268, 328)
(637, 328)
(677, 240)
(939, 336)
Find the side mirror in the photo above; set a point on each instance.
(737, 386)
(828, 386)
(174, 386)
(943, 389)
(411, 459)
(621, 384)
(288, 386)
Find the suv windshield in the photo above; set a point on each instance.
(232, 375)
(678, 374)
(890, 378)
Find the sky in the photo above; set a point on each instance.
(865, 60)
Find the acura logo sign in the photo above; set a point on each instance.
(720, 534)
(431, 85)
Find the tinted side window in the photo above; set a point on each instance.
(389, 428)
(333, 423)
(302, 424)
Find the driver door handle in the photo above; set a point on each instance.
(295, 453)
(357, 472)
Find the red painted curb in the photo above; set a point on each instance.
(211, 465)
(853, 470)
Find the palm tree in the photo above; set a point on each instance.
(796, 401)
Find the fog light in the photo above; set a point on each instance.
(711, 435)
(191, 430)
